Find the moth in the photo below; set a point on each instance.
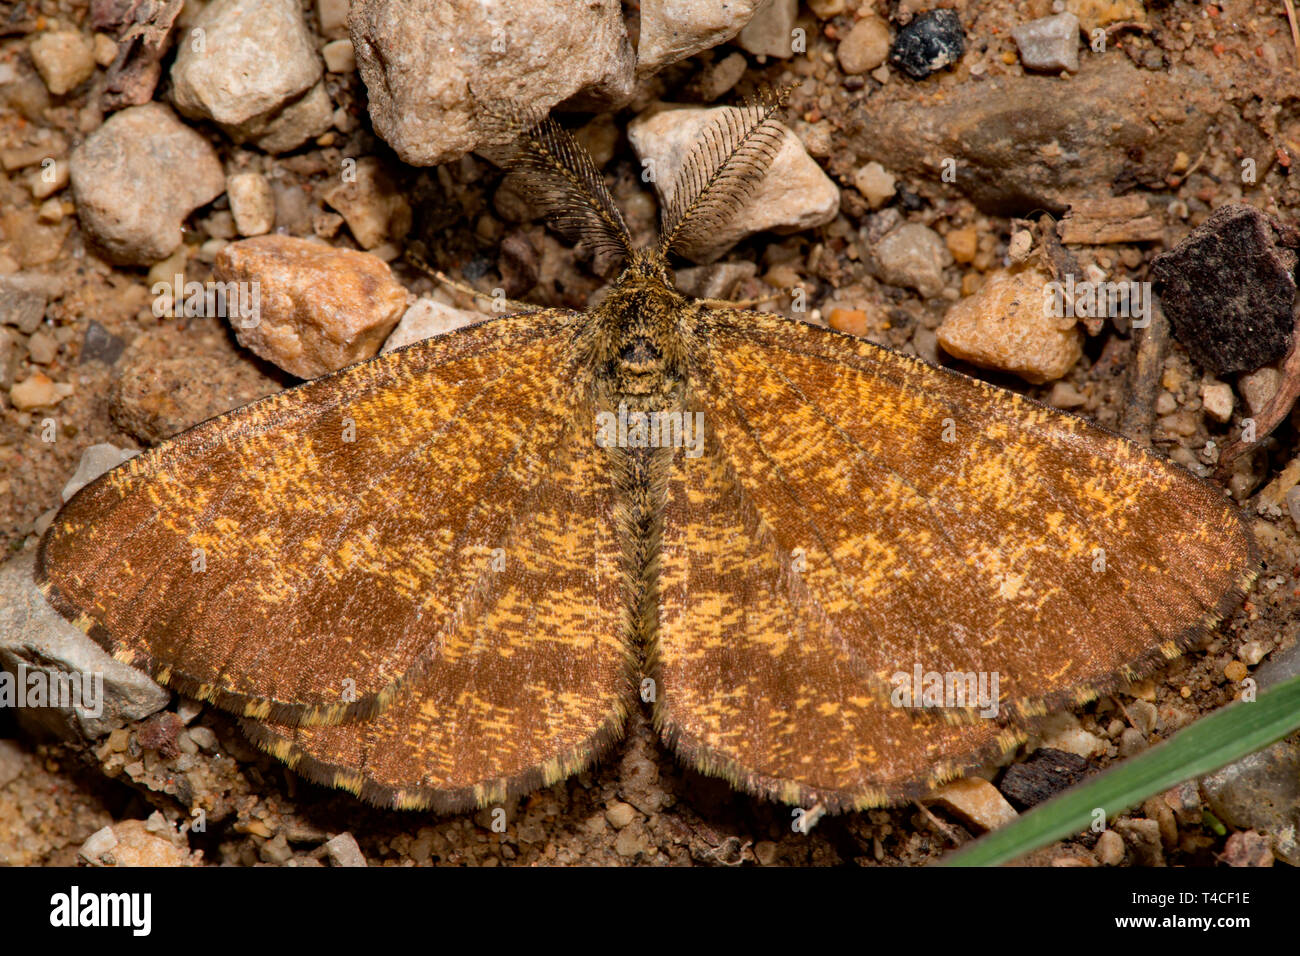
(439, 578)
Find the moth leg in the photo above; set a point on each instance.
(739, 303)
(439, 276)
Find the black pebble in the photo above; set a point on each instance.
(1044, 774)
(100, 345)
(476, 268)
(1229, 287)
(929, 43)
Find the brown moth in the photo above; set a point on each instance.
(445, 576)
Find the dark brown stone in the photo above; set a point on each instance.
(1229, 289)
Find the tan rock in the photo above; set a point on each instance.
(320, 308)
(864, 47)
(371, 206)
(137, 843)
(876, 184)
(1007, 325)
(252, 203)
(38, 391)
(64, 58)
(976, 802)
(427, 318)
(672, 30)
(137, 177)
(794, 195)
(1099, 13)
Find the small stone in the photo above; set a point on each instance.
(765, 852)
(257, 57)
(1252, 652)
(1045, 773)
(252, 203)
(1257, 388)
(65, 59)
(1050, 44)
(1143, 838)
(95, 461)
(38, 391)
(176, 375)
(794, 195)
(1185, 802)
(630, 842)
(339, 56)
(320, 308)
(1063, 731)
(715, 80)
(1217, 400)
(1131, 742)
(138, 846)
(1247, 848)
(344, 851)
(36, 637)
(100, 345)
(42, 348)
(333, 17)
(931, 42)
(105, 49)
(1154, 808)
(21, 305)
(370, 204)
(912, 256)
(1065, 395)
(674, 31)
(1261, 792)
(419, 63)
(1229, 287)
(620, 814)
(853, 321)
(1235, 671)
(98, 845)
(1007, 325)
(963, 244)
(875, 183)
(864, 47)
(769, 31)
(1109, 848)
(204, 738)
(975, 802)
(1099, 13)
(307, 117)
(51, 179)
(136, 179)
(1143, 714)
(427, 318)
(1020, 245)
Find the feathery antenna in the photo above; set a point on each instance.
(721, 171)
(562, 178)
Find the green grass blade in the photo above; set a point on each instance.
(1212, 742)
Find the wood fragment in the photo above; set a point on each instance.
(1112, 219)
(1144, 380)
